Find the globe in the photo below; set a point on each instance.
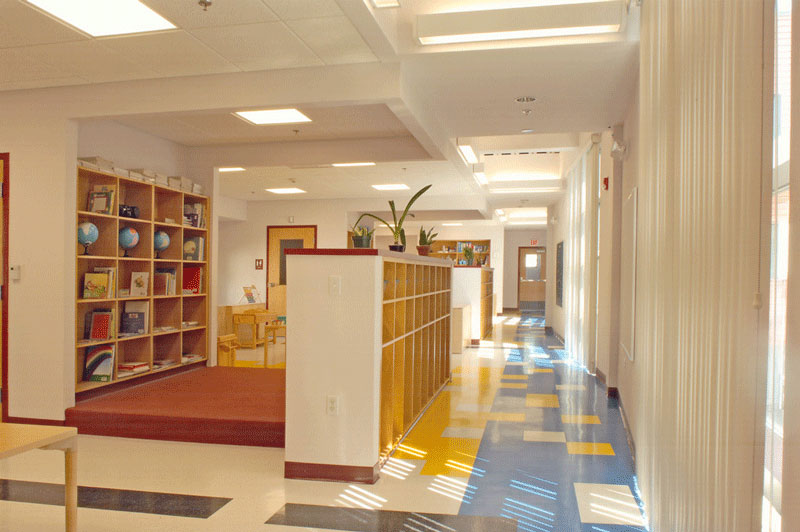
(160, 242)
(87, 235)
(128, 238)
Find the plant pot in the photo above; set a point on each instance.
(397, 247)
(423, 250)
(362, 241)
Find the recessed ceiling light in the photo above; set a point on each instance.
(100, 18)
(453, 224)
(232, 169)
(525, 99)
(273, 116)
(395, 186)
(499, 212)
(531, 222)
(525, 176)
(530, 213)
(526, 131)
(338, 165)
(285, 190)
(503, 218)
(530, 190)
(386, 3)
(467, 153)
(562, 20)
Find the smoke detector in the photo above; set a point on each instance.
(205, 4)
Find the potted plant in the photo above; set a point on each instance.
(362, 236)
(398, 233)
(425, 241)
(469, 256)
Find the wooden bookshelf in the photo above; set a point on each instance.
(487, 301)
(416, 344)
(156, 204)
(448, 249)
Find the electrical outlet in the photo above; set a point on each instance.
(332, 405)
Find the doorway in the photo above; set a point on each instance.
(279, 239)
(4, 159)
(532, 279)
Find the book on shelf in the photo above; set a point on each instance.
(190, 357)
(137, 307)
(192, 279)
(139, 282)
(99, 363)
(164, 328)
(194, 248)
(161, 364)
(101, 325)
(132, 324)
(194, 215)
(95, 286)
(124, 371)
(111, 271)
(164, 282)
(96, 161)
(189, 324)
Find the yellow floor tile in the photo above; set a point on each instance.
(581, 420)
(541, 400)
(506, 416)
(515, 377)
(542, 370)
(583, 447)
(517, 385)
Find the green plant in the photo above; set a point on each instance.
(426, 239)
(398, 233)
(362, 231)
(469, 254)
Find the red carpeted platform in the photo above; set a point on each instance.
(237, 406)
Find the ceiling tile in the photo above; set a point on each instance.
(22, 25)
(90, 60)
(188, 14)
(171, 53)
(225, 128)
(174, 130)
(18, 64)
(264, 46)
(297, 9)
(40, 83)
(334, 39)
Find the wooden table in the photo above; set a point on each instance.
(17, 439)
(274, 328)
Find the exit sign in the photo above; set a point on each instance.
(534, 242)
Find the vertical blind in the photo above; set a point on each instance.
(699, 357)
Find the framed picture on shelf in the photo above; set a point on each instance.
(99, 202)
(139, 282)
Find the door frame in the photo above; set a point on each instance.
(266, 259)
(5, 157)
(519, 270)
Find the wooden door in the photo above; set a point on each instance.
(279, 239)
(532, 270)
(3, 286)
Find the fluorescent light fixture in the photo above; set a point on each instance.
(386, 3)
(499, 212)
(468, 154)
(533, 22)
(524, 176)
(273, 116)
(453, 224)
(232, 169)
(530, 213)
(530, 222)
(341, 165)
(523, 190)
(285, 190)
(503, 218)
(395, 186)
(100, 18)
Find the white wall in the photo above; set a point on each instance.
(514, 239)
(556, 232)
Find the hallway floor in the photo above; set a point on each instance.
(520, 440)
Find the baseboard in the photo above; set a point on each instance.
(612, 392)
(549, 330)
(338, 473)
(628, 434)
(35, 421)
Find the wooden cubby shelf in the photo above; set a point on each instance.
(160, 209)
(449, 249)
(487, 301)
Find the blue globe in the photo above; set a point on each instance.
(87, 233)
(128, 238)
(160, 241)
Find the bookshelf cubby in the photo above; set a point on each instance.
(487, 301)
(449, 249)
(160, 209)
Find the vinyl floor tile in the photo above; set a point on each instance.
(611, 504)
(580, 447)
(541, 400)
(544, 436)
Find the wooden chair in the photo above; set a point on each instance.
(226, 350)
(251, 320)
(275, 327)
